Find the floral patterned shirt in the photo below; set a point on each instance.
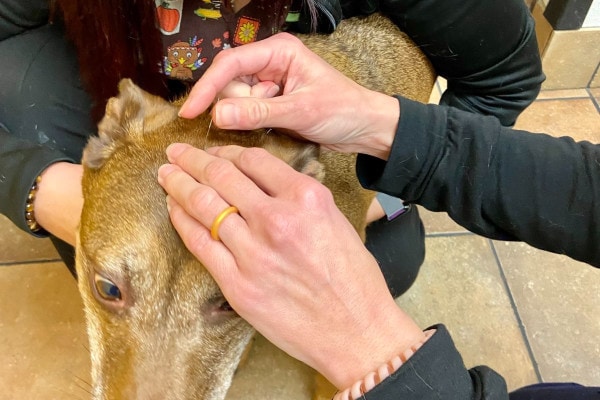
(194, 31)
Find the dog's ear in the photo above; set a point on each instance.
(307, 162)
(129, 115)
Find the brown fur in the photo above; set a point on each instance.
(171, 335)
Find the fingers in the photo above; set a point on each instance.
(229, 182)
(269, 173)
(201, 202)
(232, 63)
(196, 237)
(239, 88)
(253, 113)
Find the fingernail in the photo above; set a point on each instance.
(168, 200)
(273, 91)
(174, 150)
(183, 110)
(163, 171)
(226, 115)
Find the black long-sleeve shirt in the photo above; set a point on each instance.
(497, 182)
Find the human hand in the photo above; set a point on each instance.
(289, 263)
(59, 200)
(314, 100)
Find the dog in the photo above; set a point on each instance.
(158, 325)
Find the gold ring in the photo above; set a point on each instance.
(214, 230)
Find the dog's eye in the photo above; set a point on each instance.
(107, 289)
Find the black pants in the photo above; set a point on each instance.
(399, 247)
(556, 391)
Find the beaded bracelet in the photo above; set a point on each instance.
(359, 388)
(29, 214)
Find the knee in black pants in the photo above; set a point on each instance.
(67, 253)
(399, 247)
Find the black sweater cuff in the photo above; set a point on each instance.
(437, 371)
(30, 160)
(410, 156)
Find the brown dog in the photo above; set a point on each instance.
(158, 325)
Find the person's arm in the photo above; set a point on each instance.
(44, 115)
(487, 51)
(21, 162)
(495, 181)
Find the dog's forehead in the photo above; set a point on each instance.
(151, 271)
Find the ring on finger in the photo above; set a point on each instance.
(214, 229)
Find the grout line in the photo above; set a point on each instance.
(594, 75)
(594, 100)
(28, 262)
(562, 98)
(516, 312)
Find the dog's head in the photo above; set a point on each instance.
(158, 325)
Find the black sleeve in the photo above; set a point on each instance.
(497, 182)
(21, 161)
(44, 112)
(487, 50)
(437, 371)
(17, 16)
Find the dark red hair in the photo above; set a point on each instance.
(114, 39)
(117, 39)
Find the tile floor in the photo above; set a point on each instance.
(532, 316)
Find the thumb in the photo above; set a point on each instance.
(253, 113)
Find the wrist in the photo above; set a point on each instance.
(373, 378)
(385, 332)
(30, 218)
(58, 201)
(382, 114)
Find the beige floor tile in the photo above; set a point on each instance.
(571, 58)
(269, 373)
(436, 94)
(439, 222)
(577, 118)
(42, 335)
(563, 94)
(460, 285)
(18, 246)
(559, 303)
(438, 88)
(442, 83)
(595, 92)
(595, 83)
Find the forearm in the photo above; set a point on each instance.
(21, 162)
(354, 352)
(494, 181)
(59, 200)
(47, 122)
